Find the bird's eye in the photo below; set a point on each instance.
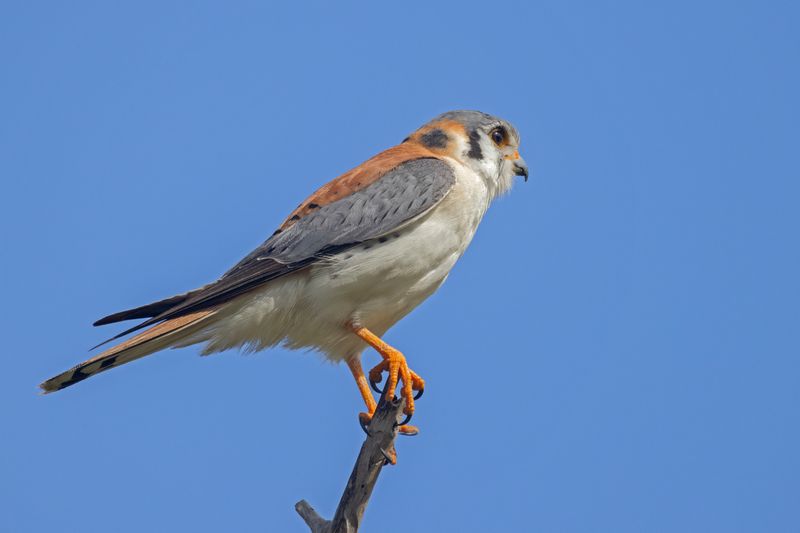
(498, 136)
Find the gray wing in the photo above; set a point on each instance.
(403, 193)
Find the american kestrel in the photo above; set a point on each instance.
(347, 264)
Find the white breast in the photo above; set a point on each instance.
(375, 284)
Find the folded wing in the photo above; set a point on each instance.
(401, 194)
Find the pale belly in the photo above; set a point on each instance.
(378, 283)
(374, 284)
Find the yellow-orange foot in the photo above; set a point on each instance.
(361, 380)
(395, 363)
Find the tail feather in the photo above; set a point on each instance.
(156, 338)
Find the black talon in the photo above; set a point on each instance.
(374, 386)
(386, 459)
(363, 427)
(406, 421)
(418, 395)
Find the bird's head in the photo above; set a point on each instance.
(486, 144)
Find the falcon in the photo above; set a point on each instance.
(346, 265)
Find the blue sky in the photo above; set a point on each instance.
(617, 351)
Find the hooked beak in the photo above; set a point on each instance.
(521, 168)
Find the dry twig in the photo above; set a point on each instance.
(377, 450)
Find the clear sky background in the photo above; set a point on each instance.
(618, 351)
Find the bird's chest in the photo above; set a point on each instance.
(399, 270)
(444, 234)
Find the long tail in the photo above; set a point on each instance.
(156, 338)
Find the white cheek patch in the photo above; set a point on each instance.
(492, 167)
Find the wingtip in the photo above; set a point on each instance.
(112, 318)
(118, 317)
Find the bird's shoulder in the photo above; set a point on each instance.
(359, 178)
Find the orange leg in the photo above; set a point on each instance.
(395, 363)
(361, 380)
(354, 365)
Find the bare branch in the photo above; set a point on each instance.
(314, 521)
(377, 450)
